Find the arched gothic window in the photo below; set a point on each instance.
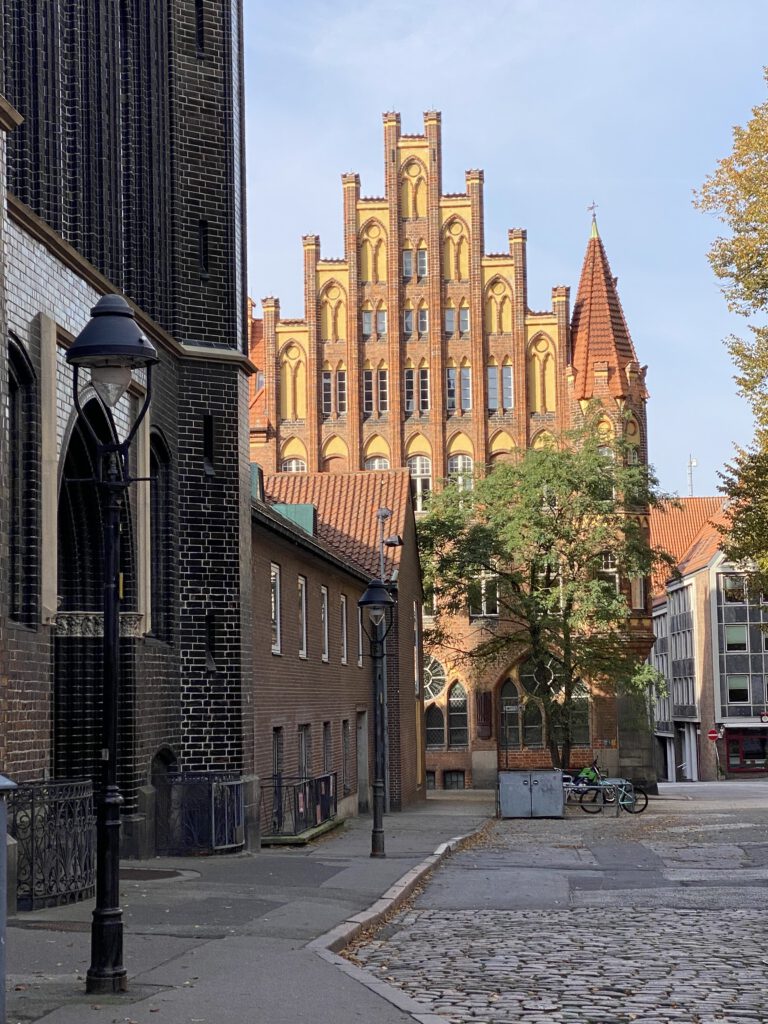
(541, 376)
(458, 730)
(434, 678)
(434, 727)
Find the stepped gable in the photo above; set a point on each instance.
(676, 528)
(346, 506)
(599, 334)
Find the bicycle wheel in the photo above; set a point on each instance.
(609, 794)
(639, 803)
(590, 801)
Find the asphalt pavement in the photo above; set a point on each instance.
(227, 940)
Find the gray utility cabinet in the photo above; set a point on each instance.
(531, 794)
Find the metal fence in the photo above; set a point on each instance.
(199, 812)
(54, 826)
(291, 805)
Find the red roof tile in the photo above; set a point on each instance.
(346, 506)
(676, 529)
(599, 332)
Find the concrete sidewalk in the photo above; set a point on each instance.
(225, 939)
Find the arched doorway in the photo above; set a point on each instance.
(79, 622)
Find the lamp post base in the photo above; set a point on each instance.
(377, 833)
(105, 985)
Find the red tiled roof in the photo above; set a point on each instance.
(676, 528)
(705, 545)
(599, 332)
(346, 506)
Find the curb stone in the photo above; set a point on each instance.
(329, 945)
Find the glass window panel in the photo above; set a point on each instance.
(736, 638)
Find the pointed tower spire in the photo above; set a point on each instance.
(600, 341)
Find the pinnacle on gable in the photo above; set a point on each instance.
(600, 340)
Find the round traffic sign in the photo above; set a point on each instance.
(713, 734)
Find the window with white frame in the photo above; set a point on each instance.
(451, 381)
(421, 262)
(493, 388)
(327, 393)
(484, 597)
(464, 319)
(368, 392)
(381, 322)
(734, 589)
(449, 320)
(367, 323)
(736, 637)
(302, 616)
(407, 264)
(377, 462)
(409, 400)
(738, 689)
(608, 571)
(423, 389)
(341, 392)
(343, 623)
(324, 621)
(420, 468)
(423, 321)
(383, 382)
(465, 376)
(277, 635)
(293, 466)
(460, 470)
(507, 389)
(407, 322)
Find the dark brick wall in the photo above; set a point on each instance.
(290, 691)
(133, 137)
(213, 683)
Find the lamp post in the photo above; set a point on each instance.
(110, 345)
(379, 605)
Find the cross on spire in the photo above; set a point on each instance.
(592, 209)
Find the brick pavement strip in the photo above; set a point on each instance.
(585, 966)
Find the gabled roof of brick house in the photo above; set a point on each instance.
(676, 528)
(346, 505)
(705, 545)
(600, 337)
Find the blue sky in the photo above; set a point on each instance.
(560, 102)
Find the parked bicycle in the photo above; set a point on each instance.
(594, 790)
(632, 799)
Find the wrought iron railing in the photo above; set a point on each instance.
(199, 812)
(291, 805)
(54, 826)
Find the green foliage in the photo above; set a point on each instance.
(553, 530)
(737, 193)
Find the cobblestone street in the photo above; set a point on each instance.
(654, 918)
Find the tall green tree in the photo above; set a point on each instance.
(550, 540)
(737, 193)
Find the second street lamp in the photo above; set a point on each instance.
(378, 604)
(111, 346)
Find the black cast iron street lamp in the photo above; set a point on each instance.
(379, 605)
(111, 346)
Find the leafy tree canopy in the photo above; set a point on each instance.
(737, 192)
(544, 540)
